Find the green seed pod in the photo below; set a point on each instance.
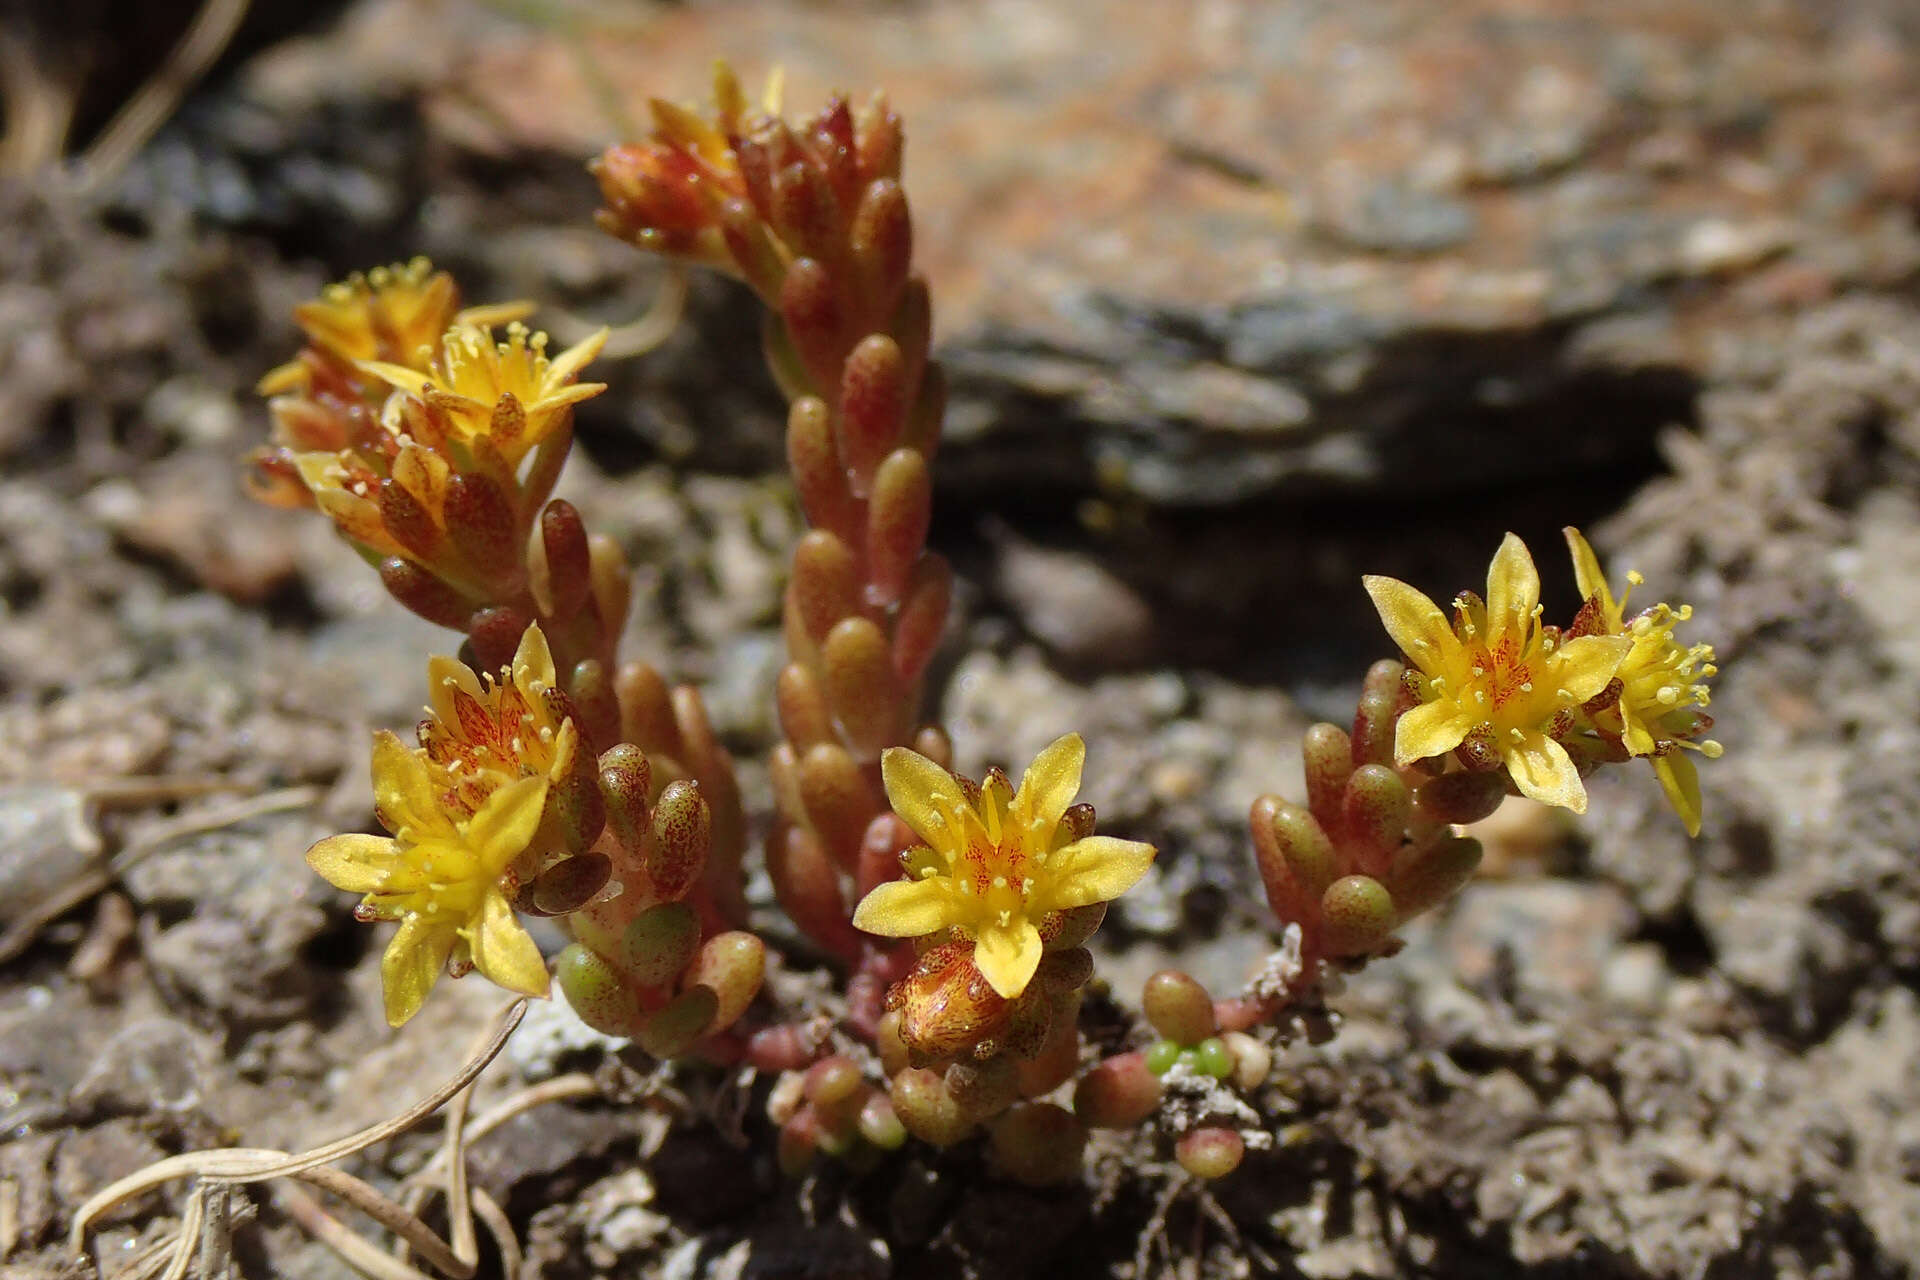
(1178, 1007)
(1214, 1057)
(1038, 1144)
(733, 964)
(1357, 916)
(672, 1029)
(1210, 1153)
(1460, 797)
(682, 835)
(923, 1105)
(1119, 1092)
(1161, 1056)
(897, 518)
(657, 947)
(1327, 754)
(1375, 812)
(598, 992)
(1424, 876)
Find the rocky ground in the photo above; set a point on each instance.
(1240, 302)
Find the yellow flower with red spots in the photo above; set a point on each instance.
(1659, 713)
(995, 861)
(1496, 680)
(442, 875)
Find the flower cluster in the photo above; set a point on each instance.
(1498, 689)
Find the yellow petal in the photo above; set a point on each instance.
(1432, 729)
(1587, 664)
(411, 381)
(1543, 771)
(1007, 956)
(1096, 869)
(921, 792)
(1415, 623)
(533, 661)
(503, 951)
(1587, 575)
(1049, 786)
(1681, 781)
(446, 677)
(905, 909)
(575, 357)
(504, 825)
(414, 961)
(1513, 586)
(356, 863)
(403, 790)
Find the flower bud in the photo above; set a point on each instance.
(946, 1004)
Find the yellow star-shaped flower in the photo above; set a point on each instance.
(440, 877)
(992, 868)
(1495, 671)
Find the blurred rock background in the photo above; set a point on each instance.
(1241, 299)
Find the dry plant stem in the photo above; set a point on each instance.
(154, 101)
(637, 336)
(353, 1249)
(39, 106)
(253, 1164)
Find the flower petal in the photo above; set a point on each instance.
(1681, 781)
(445, 678)
(413, 962)
(1587, 664)
(1096, 869)
(1513, 587)
(503, 951)
(1543, 771)
(920, 791)
(1007, 956)
(1415, 623)
(1049, 786)
(403, 790)
(905, 909)
(411, 381)
(575, 357)
(533, 662)
(504, 825)
(1432, 729)
(1587, 575)
(356, 863)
